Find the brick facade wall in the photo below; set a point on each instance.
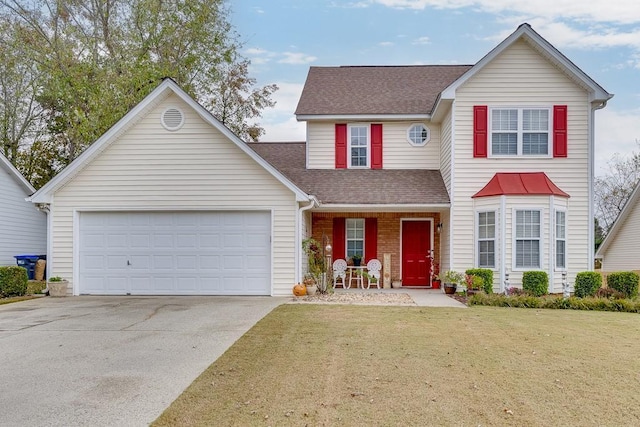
(388, 231)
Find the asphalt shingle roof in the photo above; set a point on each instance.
(354, 186)
(375, 89)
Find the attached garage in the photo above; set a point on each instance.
(170, 202)
(175, 253)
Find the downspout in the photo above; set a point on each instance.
(46, 208)
(312, 203)
(590, 177)
(503, 243)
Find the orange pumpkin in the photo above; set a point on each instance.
(299, 290)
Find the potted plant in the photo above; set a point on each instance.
(450, 281)
(474, 283)
(357, 259)
(310, 283)
(57, 286)
(396, 283)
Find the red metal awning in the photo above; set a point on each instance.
(520, 184)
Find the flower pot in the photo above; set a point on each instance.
(58, 289)
(450, 288)
(357, 262)
(396, 284)
(312, 289)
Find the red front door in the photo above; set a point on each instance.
(416, 247)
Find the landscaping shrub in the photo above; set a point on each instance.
(13, 281)
(552, 302)
(536, 282)
(625, 282)
(485, 274)
(587, 283)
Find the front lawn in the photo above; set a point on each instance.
(365, 365)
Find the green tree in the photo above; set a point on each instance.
(96, 60)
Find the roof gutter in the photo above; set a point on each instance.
(313, 202)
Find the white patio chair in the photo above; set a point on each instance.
(373, 270)
(340, 272)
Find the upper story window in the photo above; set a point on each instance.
(418, 135)
(358, 146)
(520, 132)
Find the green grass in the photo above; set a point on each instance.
(362, 365)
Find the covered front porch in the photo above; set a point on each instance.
(406, 243)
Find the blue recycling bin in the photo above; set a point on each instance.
(28, 262)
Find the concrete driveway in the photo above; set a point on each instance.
(111, 361)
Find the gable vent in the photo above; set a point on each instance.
(172, 119)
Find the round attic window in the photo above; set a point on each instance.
(172, 119)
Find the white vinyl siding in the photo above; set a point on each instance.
(623, 252)
(445, 151)
(520, 74)
(397, 152)
(23, 228)
(193, 169)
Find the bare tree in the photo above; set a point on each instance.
(612, 190)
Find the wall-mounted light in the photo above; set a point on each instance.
(439, 227)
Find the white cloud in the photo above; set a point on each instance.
(296, 58)
(566, 23)
(279, 122)
(616, 132)
(422, 40)
(386, 44)
(618, 11)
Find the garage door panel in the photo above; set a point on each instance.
(140, 241)
(210, 241)
(116, 262)
(163, 241)
(187, 241)
(213, 253)
(209, 262)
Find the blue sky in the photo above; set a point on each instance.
(284, 38)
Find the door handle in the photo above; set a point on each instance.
(128, 262)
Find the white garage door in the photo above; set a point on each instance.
(175, 253)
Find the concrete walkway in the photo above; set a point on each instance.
(421, 297)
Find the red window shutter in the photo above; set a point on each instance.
(339, 238)
(376, 146)
(341, 146)
(480, 131)
(370, 238)
(559, 131)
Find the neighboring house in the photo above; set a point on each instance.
(23, 228)
(620, 250)
(486, 165)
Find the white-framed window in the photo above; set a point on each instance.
(358, 146)
(418, 134)
(520, 132)
(355, 236)
(527, 238)
(561, 239)
(486, 239)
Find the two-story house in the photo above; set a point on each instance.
(487, 165)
